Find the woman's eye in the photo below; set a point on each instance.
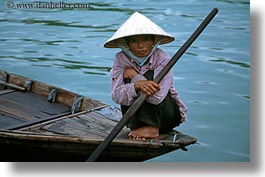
(132, 40)
(146, 39)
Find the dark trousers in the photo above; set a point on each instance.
(165, 115)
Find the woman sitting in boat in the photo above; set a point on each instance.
(133, 71)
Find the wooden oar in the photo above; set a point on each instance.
(135, 106)
(12, 86)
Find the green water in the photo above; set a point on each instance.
(64, 47)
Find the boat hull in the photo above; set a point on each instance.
(27, 147)
(40, 122)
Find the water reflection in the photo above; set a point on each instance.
(237, 63)
(63, 63)
(234, 2)
(98, 70)
(42, 42)
(109, 8)
(55, 23)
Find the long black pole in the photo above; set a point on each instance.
(135, 106)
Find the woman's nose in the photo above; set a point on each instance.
(140, 44)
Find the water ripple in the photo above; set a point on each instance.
(237, 63)
(56, 23)
(234, 2)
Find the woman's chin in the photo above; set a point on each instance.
(141, 55)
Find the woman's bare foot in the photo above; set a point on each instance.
(144, 132)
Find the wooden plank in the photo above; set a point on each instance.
(38, 125)
(6, 91)
(99, 120)
(89, 104)
(87, 129)
(70, 126)
(91, 124)
(103, 123)
(7, 120)
(16, 80)
(33, 122)
(63, 96)
(19, 110)
(43, 89)
(36, 102)
(111, 112)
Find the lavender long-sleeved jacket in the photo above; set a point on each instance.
(125, 94)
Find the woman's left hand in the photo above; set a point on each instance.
(129, 73)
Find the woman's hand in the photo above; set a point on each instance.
(129, 73)
(146, 86)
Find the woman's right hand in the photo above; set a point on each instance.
(146, 86)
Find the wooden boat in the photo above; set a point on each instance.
(40, 122)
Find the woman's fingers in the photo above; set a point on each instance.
(150, 87)
(146, 86)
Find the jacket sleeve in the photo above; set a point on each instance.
(182, 107)
(123, 94)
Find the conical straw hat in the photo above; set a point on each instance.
(138, 24)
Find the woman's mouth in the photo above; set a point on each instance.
(142, 52)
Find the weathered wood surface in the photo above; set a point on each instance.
(90, 125)
(26, 146)
(3, 77)
(7, 120)
(35, 101)
(43, 89)
(19, 107)
(20, 110)
(3, 92)
(32, 105)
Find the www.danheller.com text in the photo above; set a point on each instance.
(47, 5)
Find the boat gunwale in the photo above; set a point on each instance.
(22, 135)
(63, 96)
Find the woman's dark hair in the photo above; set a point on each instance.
(128, 37)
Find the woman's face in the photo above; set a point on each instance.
(141, 45)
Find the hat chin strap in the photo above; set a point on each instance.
(140, 61)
